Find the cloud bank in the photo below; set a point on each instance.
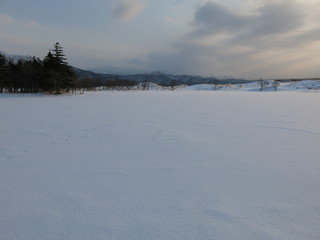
(274, 39)
(125, 10)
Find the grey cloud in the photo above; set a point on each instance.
(187, 59)
(191, 58)
(255, 44)
(279, 17)
(313, 35)
(258, 44)
(135, 62)
(213, 18)
(272, 18)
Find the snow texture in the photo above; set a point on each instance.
(180, 165)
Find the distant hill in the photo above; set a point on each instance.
(160, 78)
(166, 79)
(116, 70)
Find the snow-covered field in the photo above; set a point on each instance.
(182, 165)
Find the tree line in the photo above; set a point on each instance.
(52, 74)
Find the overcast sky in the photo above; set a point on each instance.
(241, 38)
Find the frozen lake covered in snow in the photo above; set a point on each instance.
(182, 165)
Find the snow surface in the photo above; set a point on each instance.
(160, 165)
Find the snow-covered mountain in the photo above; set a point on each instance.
(15, 57)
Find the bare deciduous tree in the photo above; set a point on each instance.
(173, 83)
(215, 84)
(275, 84)
(263, 84)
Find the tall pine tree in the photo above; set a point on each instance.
(59, 56)
(58, 71)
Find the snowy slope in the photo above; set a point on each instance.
(254, 86)
(179, 165)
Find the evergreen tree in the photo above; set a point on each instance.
(48, 60)
(14, 83)
(3, 72)
(59, 56)
(30, 76)
(49, 76)
(59, 71)
(37, 66)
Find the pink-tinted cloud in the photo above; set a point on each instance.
(125, 10)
